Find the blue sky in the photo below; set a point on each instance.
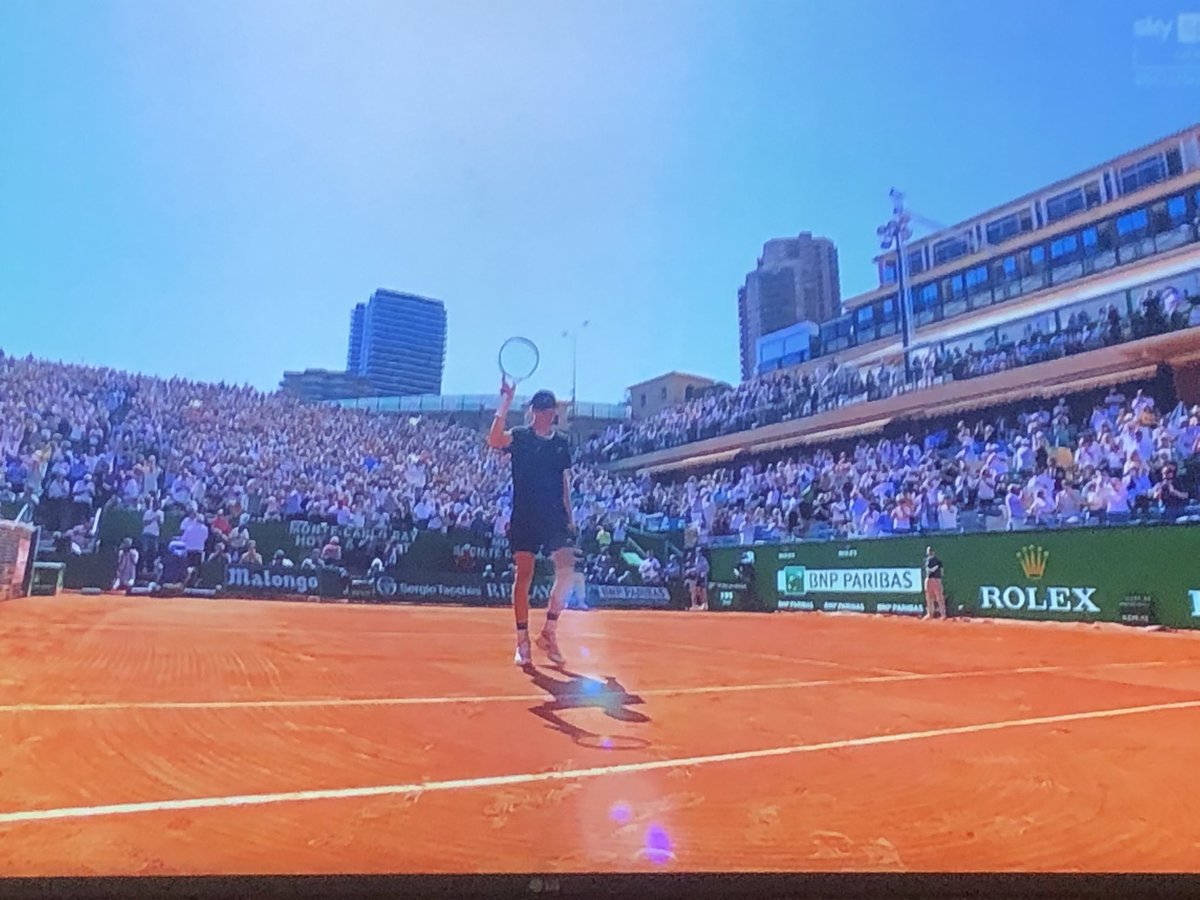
(206, 189)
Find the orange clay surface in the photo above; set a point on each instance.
(192, 736)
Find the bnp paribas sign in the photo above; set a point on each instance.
(1036, 592)
(799, 581)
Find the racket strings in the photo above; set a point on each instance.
(518, 358)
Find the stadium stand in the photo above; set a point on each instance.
(77, 440)
(780, 396)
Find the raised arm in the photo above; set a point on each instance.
(498, 438)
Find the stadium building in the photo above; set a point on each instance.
(1122, 238)
(650, 397)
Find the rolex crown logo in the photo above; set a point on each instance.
(1033, 561)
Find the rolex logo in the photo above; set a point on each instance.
(1033, 561)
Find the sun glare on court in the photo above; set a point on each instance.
(658, 849)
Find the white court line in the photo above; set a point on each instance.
(518, 698)
(117, 809)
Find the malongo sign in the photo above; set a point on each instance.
(281, 581)
(264, 579)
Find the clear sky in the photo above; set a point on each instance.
(207, 188)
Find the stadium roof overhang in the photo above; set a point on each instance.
(827, 435)
(1123, 363)
(1051, 389)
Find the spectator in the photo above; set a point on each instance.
(152, 522)
(1168, 493)
(1014, 509)
(194, 533)
(331, 553)
(127, 566)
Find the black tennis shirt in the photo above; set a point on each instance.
(538, 464)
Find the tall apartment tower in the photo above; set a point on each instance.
(796, 281)
(398, 343)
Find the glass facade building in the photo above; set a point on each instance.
(398, 343)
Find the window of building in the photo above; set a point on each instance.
(1063, 246)
(1003, 229)
(925, 303)
(1091, 192)
(643, 398)
(889, 272)
(688, 392)
(1065, 204)
(664, 394)
(1090, 241)
(1174, 162)
(916, 262)
(1037, 256)
(1150, 170)
(957, 287)
(1010, 267)
(1177, 209)
(1132, 222)
(976, 278)
(950, 248)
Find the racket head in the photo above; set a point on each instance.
(518, 358)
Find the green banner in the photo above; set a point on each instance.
(736, 578)
(420, 552)
(1101, 574)
(1137, 575)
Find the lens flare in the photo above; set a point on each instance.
(620, 812)
(658, 845)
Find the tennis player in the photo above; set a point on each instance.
(542, 519)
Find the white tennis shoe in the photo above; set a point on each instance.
(523, 656)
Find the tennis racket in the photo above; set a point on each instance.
(518, 358)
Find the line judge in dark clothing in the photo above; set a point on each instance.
(935, 597)
(542, 519)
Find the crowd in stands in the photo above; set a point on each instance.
(781, 395)
(75, 439)
(1119, 460)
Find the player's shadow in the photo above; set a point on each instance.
(581, 692)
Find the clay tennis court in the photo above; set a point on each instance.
(193, 736)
